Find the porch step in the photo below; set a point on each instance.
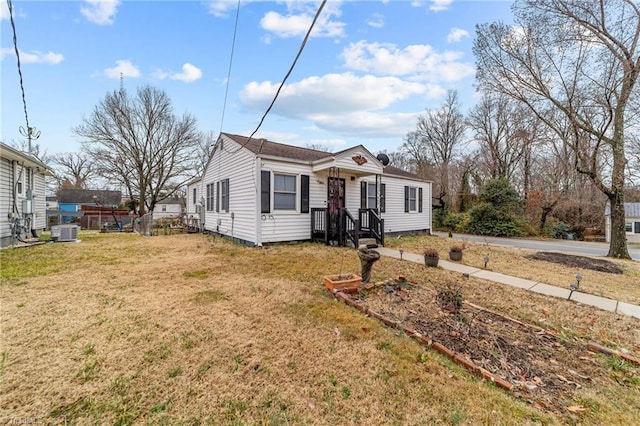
(365, 241)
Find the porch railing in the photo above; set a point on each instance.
(372, 225)
(349, 228)
(345, 227)
(319, 225)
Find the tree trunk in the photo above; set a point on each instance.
(618, 244)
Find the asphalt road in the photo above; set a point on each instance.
(562, 246)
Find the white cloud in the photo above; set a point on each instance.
(189, 74)
(100, 12)
(456, 34)
(369, 124)
(331, 92)
(124, 68)
(420, 61)
(376, 20)
(35, 57)
(439, 5)
(221, 8)
(297, 20)
(4, 10)
(340, 102)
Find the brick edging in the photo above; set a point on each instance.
(428, 342)
(595, 347)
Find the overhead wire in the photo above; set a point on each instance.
(233, 45)
(15, 46)
(293, 64)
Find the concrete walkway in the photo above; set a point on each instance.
(536, 287)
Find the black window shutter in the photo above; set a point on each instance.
(304, 194)
(383, 198)
(265, 191)
(637, 227)
(218, 196)
(419, 200)
(406, 199)
(226, 192)
(363, 195)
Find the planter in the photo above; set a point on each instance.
(455, 255)
(431, 261)
(345, 282)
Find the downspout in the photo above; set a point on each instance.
(258, 202)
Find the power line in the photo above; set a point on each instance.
(233, 45)
(15, 46)
(293, 64)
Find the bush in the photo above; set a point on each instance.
(456, 221)
(500, 212)
(559, 230)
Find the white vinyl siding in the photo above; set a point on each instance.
(233, 162)
(395, 218)
(291, 225)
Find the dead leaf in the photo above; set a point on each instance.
(577, 408)
(337, 332)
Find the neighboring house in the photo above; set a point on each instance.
(22, 195)
(169, 207)
(70, 201)
(257, 191)
(632, 222)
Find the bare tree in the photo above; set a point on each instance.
(139, 143)
(73, 170)
(497, 126)
(575, 64)
(435, 141)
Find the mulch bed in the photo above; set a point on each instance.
(545, 369)
(600, 265)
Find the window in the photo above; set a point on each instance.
(194, 195)
(369, 196)
(222, 195)
(19, 173)
(412, 199)
(372, 196)
(284, 192)
(628, 227)
(209, 200)
(164, 207)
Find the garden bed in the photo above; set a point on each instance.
(547, 369)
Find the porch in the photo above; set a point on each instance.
(341, 228)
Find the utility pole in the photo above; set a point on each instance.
(31, 134)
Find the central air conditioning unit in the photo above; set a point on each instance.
(64, 233)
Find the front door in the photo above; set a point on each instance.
(335, 202)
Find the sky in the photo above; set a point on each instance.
(369, 69)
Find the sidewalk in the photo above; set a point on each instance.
(610, 305)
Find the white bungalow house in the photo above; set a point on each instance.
(172, 207)
(22, 195)
(259, 192)
(632, 222)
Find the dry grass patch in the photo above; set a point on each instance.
(518, 262)
(189, 329)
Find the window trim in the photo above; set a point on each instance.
(279, 192)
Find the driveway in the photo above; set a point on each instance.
(562, 246)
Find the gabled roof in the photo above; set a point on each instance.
(89, 196)
(266, 147)
(14, 155)
(395, 171)
(172, 200)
